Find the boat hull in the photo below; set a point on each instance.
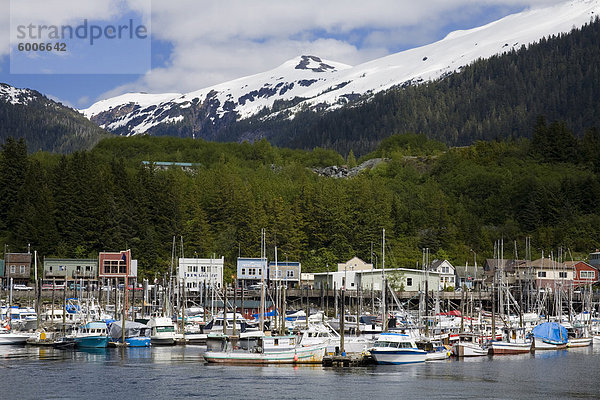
(510, 348)
(580, 342)
(140, 341)
(437, 355)
(300, 355)
(162, 340)
(541, 344)
(92, 342)
(469, 350)
(398, 356)
(13, 339)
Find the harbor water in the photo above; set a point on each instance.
(180, 373)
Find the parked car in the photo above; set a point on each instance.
(77, 286)
(49, 286)
(21, 287)
(255, 287)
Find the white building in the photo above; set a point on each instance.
(401, 278)
(447, 273)
(197, 271)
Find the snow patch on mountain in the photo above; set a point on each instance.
(13, 95)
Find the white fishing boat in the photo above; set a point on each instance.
(396, 348)
(163, 331)
(516, 343)
(297, 355)
(324, 333)
(469, 346)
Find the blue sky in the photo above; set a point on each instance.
(199, 43)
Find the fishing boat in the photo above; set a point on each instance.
(469, 346)
(163, 331)
(324, 333)
(516, 343)
(396, 348)
(550, 336)
(296, 355)
(91, 335)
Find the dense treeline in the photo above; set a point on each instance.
(493, 99)
(450, 201)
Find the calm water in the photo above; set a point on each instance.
(179, 372)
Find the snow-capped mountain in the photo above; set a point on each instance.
(313, 83)
(12, 95)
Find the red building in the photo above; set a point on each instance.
(584, 273)
(116, 265)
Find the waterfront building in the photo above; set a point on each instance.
(401, 278)
(583, 273)
(18, 267)
(61, 270)
(447, 273)
(117, 265)
(251, 271)
(286, 272)
(196, 272)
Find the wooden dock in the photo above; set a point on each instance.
(355, 360)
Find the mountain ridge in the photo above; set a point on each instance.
(204, 112)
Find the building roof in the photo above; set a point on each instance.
(436, 263)
(572, 264)
(508, 265)
(462, 270)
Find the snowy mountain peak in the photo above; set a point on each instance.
(314, 64)
(308, 82)
(10, 94)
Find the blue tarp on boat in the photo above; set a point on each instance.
(269, 314)
(552, 331)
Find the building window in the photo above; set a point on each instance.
(587, 275)
(13, 269)
(562, 274)
(243, 271)
(88, 268)
(22, 269)
(290, 273)
(408, 281)
(541, 274)
(50, 268)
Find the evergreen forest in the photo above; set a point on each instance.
(453, 201)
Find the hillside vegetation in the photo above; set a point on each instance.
(425, 196)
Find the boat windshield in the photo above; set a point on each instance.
(398, 345)
(162, 329)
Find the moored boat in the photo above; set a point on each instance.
(550, 336)
(163, 331)
(7, 337)
(469, 346)
(91, 335)
(579, 342)
(396, 348)
(297, 355)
